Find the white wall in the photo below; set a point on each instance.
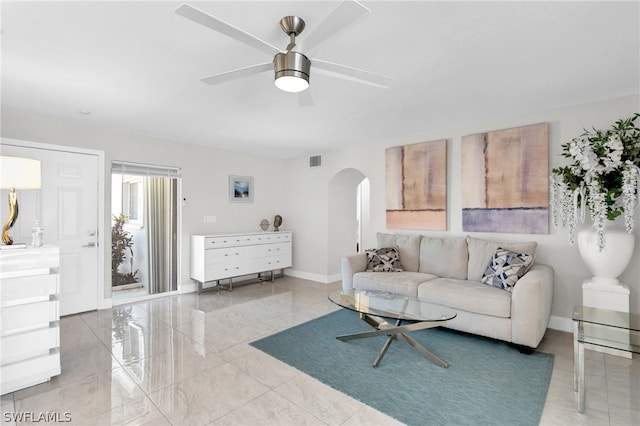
(205, 173)
(311, 217)
(301, 194)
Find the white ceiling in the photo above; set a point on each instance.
(136, 66)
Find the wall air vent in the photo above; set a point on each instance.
(315, 161)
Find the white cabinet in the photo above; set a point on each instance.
(29, 317)
(222, 256)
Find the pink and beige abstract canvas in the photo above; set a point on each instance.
(416, 178)
(505, 180)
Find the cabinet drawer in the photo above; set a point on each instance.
(271, 263)
(21, 374)
(28, 317)
(29, 344)
(272, 249)
(281, 237)
(218, 271)
(225, 255)
(230, 241)
(24, 288)
(218, 242)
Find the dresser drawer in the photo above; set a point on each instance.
(219, 242)
(28, 317)
(29, 344)
(281, 237)
(276, 249)
(218, 271)
(23, 289)
(225, 255)
(271, 263)
(29, 372)
(229, 241)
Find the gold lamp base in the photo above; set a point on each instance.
(13, 215)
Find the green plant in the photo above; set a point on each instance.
(121, 242)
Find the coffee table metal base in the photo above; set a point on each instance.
(383, 328)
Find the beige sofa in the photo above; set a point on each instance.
(448, 271)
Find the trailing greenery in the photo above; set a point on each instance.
(603, 176)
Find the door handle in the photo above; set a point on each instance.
(89, 245)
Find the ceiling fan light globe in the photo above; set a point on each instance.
(290, 83)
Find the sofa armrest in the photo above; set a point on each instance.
(531, 305)
(351, 265)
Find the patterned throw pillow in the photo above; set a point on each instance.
(506, 268)
(383, 260)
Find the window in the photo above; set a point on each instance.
(132, 199)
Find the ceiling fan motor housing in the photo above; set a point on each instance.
(292, 64)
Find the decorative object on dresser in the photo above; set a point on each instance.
(277, 223)
(264, 224)
(17, 173)
(227, 256)
(29, 317)
(240, 189)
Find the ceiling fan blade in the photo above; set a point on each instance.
(225, 28)
(350, 73)
(305, 99)
(344, 15)
(239, 73)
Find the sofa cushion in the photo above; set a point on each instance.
(405, 283)
(408, 247)
(506, 268)
(444, 257)
(470, 296)
(383, 260)
(481, 252)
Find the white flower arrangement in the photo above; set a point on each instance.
(604, 177)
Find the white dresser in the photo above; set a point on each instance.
(29, 317)
(222, 256)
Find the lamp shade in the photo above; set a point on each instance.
(19, 173)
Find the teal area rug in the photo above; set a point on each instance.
(488, 382)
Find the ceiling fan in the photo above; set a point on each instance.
(292, 68)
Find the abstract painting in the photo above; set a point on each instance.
(505, 180)
(416, 178)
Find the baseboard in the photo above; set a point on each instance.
(561, 324)
(105, 303)
(324, 279)
(189, 287)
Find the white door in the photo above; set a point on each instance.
(67, 206)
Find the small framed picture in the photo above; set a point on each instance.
(240, 189)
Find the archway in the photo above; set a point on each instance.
(343, 227)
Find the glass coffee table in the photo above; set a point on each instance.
(406, 314)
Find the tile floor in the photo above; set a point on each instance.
(186, 360)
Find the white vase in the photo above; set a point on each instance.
(606, 265)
